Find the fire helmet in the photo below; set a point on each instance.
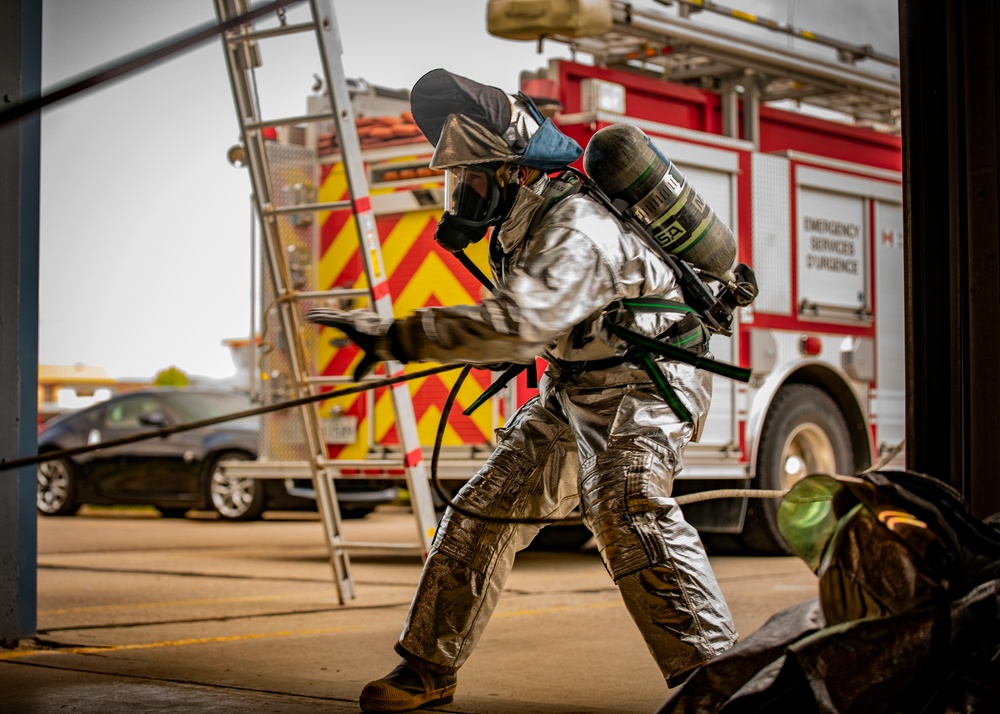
(471, 123)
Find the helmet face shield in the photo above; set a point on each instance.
(474, 202)
(475, 193)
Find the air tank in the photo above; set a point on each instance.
(624, 164)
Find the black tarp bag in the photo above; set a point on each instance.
(908, 613)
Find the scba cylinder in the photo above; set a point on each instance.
(623, 162)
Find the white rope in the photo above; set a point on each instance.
(728, 493)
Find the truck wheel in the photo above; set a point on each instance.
(234, 498)
(56, 495)
(804, 433)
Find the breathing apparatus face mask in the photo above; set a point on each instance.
(476, 201)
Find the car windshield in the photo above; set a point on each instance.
(194, 406)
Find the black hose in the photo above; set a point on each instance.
(436, 481)
(6, 465)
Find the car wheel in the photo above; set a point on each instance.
(804, 433)
(234, 498)
(57, 488)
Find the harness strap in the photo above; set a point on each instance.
(666, 389)
(651, 303)
(686, 341)
(663, 349)
(501, 382)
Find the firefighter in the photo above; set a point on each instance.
(599, 435)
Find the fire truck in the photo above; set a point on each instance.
(815, 204)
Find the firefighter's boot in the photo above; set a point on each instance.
(409, 686)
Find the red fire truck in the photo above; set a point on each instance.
(816, 205)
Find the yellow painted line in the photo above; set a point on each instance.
(105, 649)
(20, 654)
(169, 603)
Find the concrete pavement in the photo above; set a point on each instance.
(143, 614)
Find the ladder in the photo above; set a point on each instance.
(856, 81)
(264, 159)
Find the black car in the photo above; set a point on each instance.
(175, 473)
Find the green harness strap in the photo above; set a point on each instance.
(684, 342)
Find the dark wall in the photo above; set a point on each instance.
(948, 53)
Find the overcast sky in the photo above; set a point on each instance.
(145, 228)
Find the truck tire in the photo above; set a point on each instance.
(804, 433)
(234, 499)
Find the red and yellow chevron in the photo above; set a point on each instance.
(420, 273)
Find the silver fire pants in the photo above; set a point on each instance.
(613, 452)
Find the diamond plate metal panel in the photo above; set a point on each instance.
(772, 233)
(294, 175)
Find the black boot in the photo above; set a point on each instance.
(409, 686)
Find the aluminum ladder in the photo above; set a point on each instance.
(683, 51)
(242, 57)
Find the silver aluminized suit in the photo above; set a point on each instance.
(604, 439)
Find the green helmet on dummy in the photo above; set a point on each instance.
(479, 133)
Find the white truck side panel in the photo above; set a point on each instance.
(712, 171)
(832, 265)
(772, 233)
(888, 404)
(720, 430)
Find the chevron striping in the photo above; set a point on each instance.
(333, 187)
(432, 278)
(398, 242)
(420, 273)
(340, 266)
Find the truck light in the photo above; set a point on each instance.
(810, 345)
(596, 95)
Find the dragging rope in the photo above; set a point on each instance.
(728, 493)
(883, 461)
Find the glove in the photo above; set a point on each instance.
(374, 335)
